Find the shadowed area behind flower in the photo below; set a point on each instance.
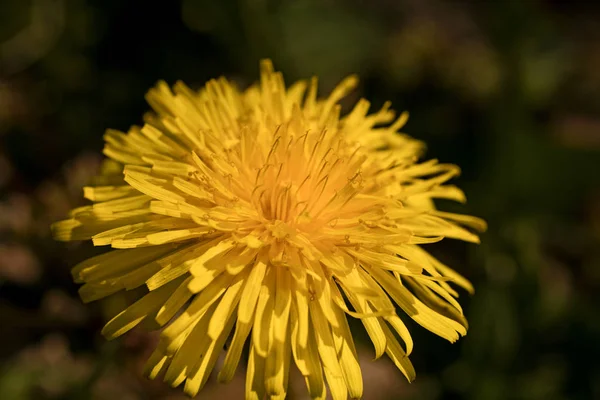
(510, 91)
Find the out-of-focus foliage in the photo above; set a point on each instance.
(509, 90)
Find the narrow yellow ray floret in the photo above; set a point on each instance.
(264, 216)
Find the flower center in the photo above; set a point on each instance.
(277, 204)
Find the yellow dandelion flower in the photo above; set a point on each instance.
(264, 216)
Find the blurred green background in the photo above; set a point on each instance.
(509, 90)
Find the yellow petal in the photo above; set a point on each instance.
(303, 317)
(178, 298)
(138, 311)
(156, 364)
(371, 324)
(263, 315)
(423, 315)
(398, 356)
(251, 292)
(201, 371)
(323, 293)
(255, 383)
(215, 251)
(429, 297)
(193, 348)
(247, 305)
(225, 309)
(276, 370)
(337, 386)
(116, 262)
(348, 360)
(324, 338)
(177, 263)
(198, 307)
(306, 358)
(106, 193)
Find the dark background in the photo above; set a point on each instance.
(507, 89)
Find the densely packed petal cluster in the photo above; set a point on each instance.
(263, 216)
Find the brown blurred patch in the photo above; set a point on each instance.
(18, 264)
(13, 103)
(445, 39)
(16, 214)
(58, 304)
(578, 131)
(51, 366)
(382, 380)
(6, 170)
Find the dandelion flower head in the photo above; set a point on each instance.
(266, 217)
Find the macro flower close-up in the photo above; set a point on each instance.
(267, 218)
